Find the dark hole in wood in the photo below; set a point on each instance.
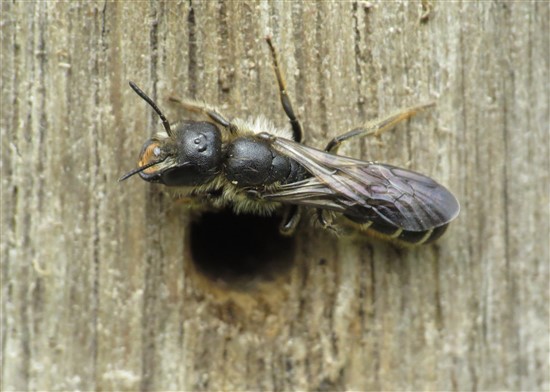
(235, 248)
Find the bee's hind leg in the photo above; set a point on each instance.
(213, 114)
(297, 131)
(325, 224)
(376, 127)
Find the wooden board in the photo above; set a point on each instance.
(99, 291)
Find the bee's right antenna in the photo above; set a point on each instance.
(139, 92)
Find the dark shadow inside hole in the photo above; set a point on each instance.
(230, 247)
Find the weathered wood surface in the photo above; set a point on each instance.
(98, 291)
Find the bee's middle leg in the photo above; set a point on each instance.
(292, 214)
(297, 131)
(291, 218)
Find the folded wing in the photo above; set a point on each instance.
(365, 190)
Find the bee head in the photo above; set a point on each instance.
(190, 154)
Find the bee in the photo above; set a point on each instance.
(255, 167)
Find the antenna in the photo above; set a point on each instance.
(139, 92)
(139, 169)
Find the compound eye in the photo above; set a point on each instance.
(151, 152)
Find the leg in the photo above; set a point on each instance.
(292, 214)
(285, 99)
(327, 225)
(321, 219)
(290, 220)
(376, 127)
(203, 109)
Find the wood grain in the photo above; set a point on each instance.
(98, 289)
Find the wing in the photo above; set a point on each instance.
(365, 190)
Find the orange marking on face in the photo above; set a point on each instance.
(148, 156)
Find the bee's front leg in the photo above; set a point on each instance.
(204, 109)
(200, 200)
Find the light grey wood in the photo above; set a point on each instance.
(98, 290)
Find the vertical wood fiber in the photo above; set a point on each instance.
(97, 289)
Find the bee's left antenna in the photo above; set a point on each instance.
(139, 169)
(139, 92)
